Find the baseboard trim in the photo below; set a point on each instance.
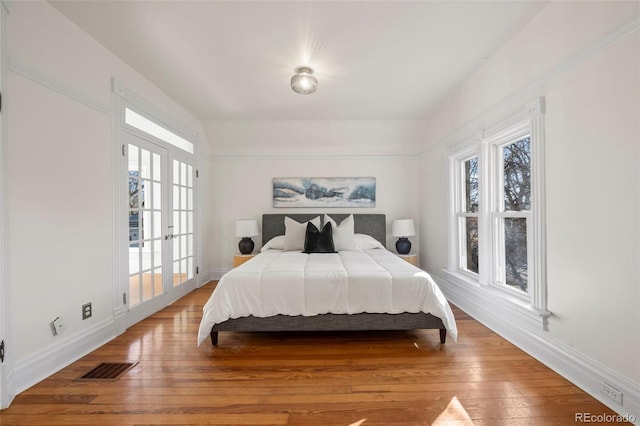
(55, 357)
(217, 273)
(204, 277)
(584, 372)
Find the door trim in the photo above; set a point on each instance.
(5, 367)
(122, 99)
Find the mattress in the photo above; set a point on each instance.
(348, 282)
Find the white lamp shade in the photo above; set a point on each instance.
(403, 228)
(246, 228)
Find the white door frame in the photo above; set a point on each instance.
(5, 396)
(123, 99)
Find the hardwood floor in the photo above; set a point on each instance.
(348, 378)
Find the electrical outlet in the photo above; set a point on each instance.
(612, 392)
(86, 311)
(57, 326)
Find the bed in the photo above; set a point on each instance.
(366, 288)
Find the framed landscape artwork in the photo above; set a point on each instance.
(324, 192)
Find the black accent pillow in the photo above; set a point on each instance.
(316, 241)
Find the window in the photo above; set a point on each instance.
(136, 120)
(496, 209)
(511, 215)
(467, 211)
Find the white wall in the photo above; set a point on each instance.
(59, 156)
(571, 55)
(247, 155)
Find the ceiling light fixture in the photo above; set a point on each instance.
(303, 81)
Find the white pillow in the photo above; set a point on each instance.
(276, 243)
(343, 233)
(366, 242)
(294, 233)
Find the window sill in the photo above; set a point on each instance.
(462, 278)
(487, 295)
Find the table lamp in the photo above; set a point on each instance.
(403, 228)
(246, 229)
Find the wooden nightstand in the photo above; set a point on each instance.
(239, 259)
(411, 258)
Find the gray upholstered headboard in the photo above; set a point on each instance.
(370, 224)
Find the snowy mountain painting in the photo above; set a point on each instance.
(324, 192)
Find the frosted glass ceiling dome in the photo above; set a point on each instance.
(303, 81)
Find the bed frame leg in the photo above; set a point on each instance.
(214, 338)
(443, 335)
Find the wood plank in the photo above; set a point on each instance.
(345, 378)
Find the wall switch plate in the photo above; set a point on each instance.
(86, 311)
(612, 392)
(57, 326)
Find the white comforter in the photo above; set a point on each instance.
(349, 282)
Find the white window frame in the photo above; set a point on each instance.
(457, 254)
(487, 145)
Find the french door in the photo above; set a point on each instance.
(161, 265)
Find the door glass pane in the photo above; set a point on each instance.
(176, 247)
(190, 268)
(145, 164)
(157, 281)
(176, 171)
(147, 286)
(157, 224)
(183, 198)
(157, 254)
(176, 197)
(134, 190)
(176, 222)
(145, 194)
(146, 255)
(157, 166)
(145, 225)
(133, 158)
(176, 273)
(183, 270)
(515, 248)
(190, 245)
(516, 159)
(134, 258)
(157, 196)
(134, 225)
(134, 290)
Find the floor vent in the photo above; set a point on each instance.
(109, 371)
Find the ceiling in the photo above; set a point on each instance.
(232, 60)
